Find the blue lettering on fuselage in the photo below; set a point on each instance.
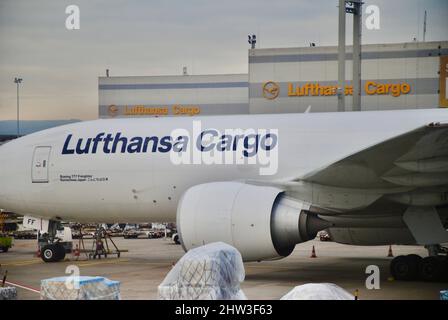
(208, 140)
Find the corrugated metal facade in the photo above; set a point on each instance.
(394, 76)
(173, 95)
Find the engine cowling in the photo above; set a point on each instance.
(261, 222)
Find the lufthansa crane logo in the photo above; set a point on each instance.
(113, 110)
(270, 90)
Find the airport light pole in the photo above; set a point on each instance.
(424, 27)
(18, 81)
(341, 57)
(252, 40)
(357, 27)
(353, 7)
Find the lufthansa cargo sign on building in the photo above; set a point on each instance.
(394, 76)
(271, 89)
(183, 95)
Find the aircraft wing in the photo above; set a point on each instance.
(409, 169)
(417, 159)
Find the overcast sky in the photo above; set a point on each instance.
(60, 68)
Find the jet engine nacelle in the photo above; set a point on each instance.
(261, 222)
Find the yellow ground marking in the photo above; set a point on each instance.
(83, 263)
(87, 264)
(20, 262)
(270, 267)
(150, 263)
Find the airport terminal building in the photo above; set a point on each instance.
(281, 80)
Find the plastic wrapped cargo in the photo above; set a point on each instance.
(318, 291)
(444, 295)
(81, 288)
(210, 272)
(8, 293)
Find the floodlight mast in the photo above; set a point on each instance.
(18, 81)
(357, 28)
(341, 57)
(252, 39)
(354, 7)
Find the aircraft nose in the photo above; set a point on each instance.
(17, 194)
(8, 174)
(3, 166)
(3, 161)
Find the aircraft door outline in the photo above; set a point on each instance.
(40, 164)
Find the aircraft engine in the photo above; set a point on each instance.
(261, 222)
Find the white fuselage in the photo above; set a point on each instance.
(138, 186)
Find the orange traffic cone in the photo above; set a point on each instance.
(390, 254)
(313, 253)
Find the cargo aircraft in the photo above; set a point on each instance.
(368, 178)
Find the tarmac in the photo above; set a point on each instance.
(143, 268)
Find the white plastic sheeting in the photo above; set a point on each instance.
(318, 291)
(210, 272)
(79, 288)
